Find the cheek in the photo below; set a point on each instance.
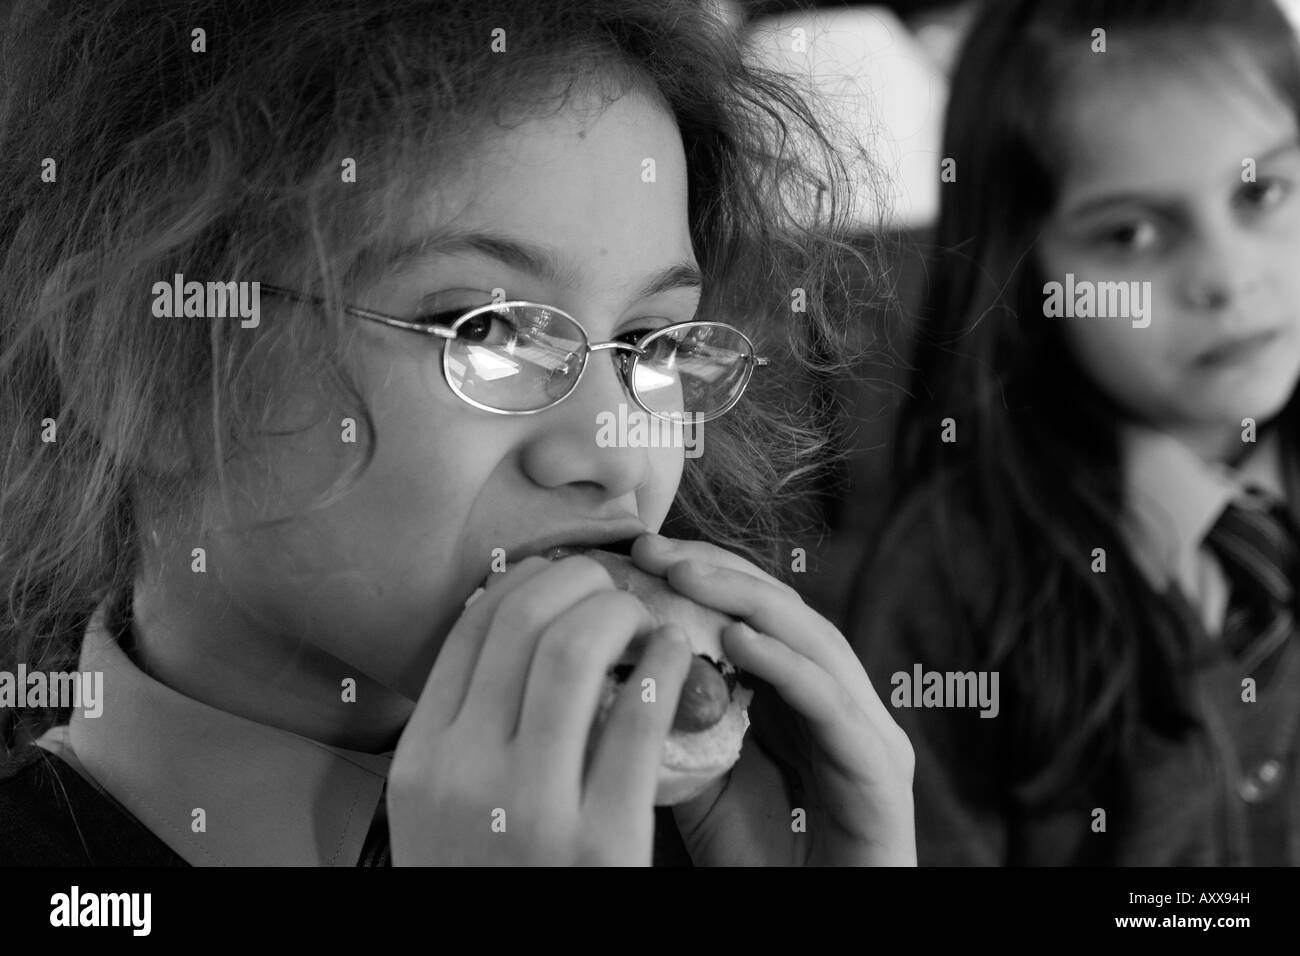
(409, 514)
(1135, 366)
(369, 571)
(1286, 280)
(655, 497)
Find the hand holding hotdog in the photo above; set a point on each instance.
(856, 779)
(494, 768)
(533, 717)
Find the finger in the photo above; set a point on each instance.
(655, 553)
(835, 715)
(862, 745)
(496, 579)
(448, 680)
(496, 688)
(777, 612)
(567, 678)
(625, 769)
(756, 812)
(771, 610)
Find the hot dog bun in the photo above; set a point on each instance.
(694, 756)
(711, 718)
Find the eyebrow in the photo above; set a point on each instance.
(526, 257)
(1102, 203)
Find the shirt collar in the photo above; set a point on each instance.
(268, 797)
(1173, 498)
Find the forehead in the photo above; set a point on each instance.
(1164, 125)
(603, 185)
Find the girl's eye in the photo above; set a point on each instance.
(653, 323)
(442, 317)
(634, 335)
(1263, 194)
(446, 307)
(489, 328)
(1139, 235)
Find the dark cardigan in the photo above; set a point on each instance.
(1174, 799)
(52, 816)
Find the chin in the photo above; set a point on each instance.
(1228, 402)
(1261, 403)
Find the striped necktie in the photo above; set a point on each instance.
(375, 849)
(1256, 544)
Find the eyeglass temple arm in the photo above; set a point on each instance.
(360, 313)
(427, 329)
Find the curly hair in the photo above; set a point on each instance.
(226, 163)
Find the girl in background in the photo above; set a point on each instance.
(1097, 502)
(263, 530)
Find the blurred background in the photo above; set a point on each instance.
(880, 74)
(880, 71)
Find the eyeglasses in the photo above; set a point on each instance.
(520, 358)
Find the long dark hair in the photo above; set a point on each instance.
(1036, 460)
(226, 162)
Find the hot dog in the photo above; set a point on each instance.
(711, 717)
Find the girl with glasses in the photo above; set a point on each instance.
(471, 229)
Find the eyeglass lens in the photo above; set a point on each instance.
(525, 358)
(697, 370)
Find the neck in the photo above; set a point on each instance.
(204, 645)
(1214, 443)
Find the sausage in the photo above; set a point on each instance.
(705, 697)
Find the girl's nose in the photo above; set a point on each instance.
(1221, 273)
(572, 441)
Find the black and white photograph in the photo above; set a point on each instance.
(651, 433)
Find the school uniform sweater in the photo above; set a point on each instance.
(160, 779)
(50, 815)
(1220, 793)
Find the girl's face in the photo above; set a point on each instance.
(1157, 189)
(556, 210)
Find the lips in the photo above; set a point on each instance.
(622, 546)
(1240, 349)
(617, 538)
